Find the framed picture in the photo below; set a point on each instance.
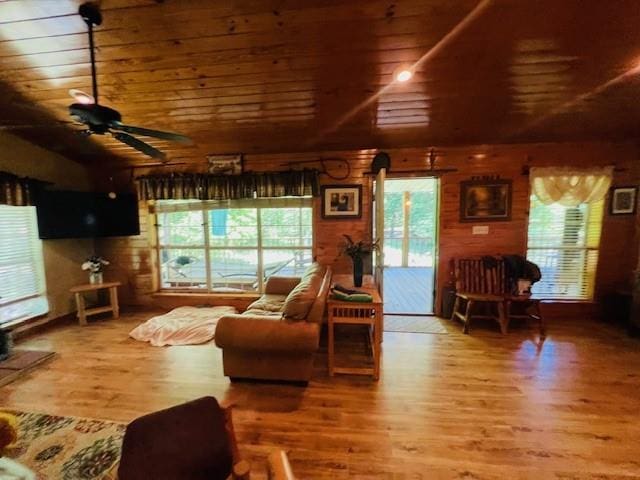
(485, 200)
(225, 164)
(623, 200)
(341, 201)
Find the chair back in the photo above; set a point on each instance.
(481, 275)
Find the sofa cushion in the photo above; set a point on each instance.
(299, 301)
(269, 303)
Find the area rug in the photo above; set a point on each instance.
(21, 362)
(413, 324)
(181, 326)
(66, 448)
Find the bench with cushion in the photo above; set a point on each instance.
(277, 336)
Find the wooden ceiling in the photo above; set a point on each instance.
(291, 76)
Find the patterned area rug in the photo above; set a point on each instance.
(413, 324)
(66, 448)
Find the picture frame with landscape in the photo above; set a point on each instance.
(485, 200)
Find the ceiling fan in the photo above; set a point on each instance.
(100, 119)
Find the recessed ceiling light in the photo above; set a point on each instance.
(403, 75)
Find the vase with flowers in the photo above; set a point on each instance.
(357, 251)
(95, 265)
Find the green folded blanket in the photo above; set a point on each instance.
(353, 297)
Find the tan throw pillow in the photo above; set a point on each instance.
(313, 269)
(300, 299)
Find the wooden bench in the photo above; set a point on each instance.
(484, 282)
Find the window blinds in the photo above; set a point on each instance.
(563, 242)
(21, 264)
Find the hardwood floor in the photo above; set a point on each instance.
(449, 406)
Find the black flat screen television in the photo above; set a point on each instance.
(68, 214)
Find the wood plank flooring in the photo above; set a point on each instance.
(450, 406)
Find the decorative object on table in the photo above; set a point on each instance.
(5, 345)
(230, 164)
(485, 200)
(623, 200)
(95, 265)
(357, 251)
(341, 201)
(57, 447)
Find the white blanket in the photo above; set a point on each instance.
(181, 326)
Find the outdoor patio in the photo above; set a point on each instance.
(408, 290)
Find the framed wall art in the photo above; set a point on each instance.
(485, 200)
(623, 200)
(225, 164)
(341, 201)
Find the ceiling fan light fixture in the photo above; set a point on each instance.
(81, 97)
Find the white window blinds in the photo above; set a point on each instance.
(563, 242)
(22, 284)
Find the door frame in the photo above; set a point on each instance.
(436, 248)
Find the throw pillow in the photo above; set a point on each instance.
(300, 299)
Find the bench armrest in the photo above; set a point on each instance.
(280, 285)
(266, 333)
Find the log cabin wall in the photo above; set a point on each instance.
(133, 260)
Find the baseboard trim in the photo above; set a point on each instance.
(37, 325)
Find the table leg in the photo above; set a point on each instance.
(379, 322)
(330, 346)
(113, 298)
(82, 317)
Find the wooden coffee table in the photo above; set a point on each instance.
(84, 312)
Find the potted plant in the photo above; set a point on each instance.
(357, 251)
(95, 266)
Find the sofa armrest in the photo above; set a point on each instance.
(266, 333)
(280, 285)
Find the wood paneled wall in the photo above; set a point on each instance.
(133, 263)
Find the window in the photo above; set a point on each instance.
(563, 242)
(22, 284)
(232, 246)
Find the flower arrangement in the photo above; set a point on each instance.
(94, 264)
(358, 249)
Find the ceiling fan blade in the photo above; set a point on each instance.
(26, 126)
(147, 132)
(140, 146)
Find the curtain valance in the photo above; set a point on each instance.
(570, 186)
(18, 191)
(203, 186)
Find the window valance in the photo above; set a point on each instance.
(18, 191)
(570, 186)
(203, 186)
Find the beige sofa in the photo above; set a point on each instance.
(277, 336)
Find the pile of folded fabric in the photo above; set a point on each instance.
(338, 292)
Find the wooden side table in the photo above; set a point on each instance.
(84, 312)
(357, 313)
